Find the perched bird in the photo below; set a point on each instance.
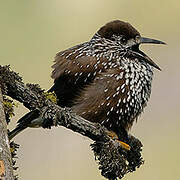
(106, 80)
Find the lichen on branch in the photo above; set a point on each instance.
(114, 162)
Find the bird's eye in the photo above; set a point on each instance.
(137, 38)
(123, 40)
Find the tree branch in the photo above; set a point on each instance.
(6, 167)
(113, 160)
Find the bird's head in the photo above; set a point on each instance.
(127, 37)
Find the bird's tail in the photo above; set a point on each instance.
(24, 122)
(15, 131)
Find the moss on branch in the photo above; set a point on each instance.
(114, 162)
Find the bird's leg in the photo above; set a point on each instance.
(115, 137)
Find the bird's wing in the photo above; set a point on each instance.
(105, 99)
(73, 70)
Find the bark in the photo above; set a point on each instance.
(6, 168)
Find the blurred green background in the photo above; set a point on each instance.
(32, 32)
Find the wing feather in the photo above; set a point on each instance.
(72, 72)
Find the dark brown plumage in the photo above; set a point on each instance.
(108, 79)
(118, 28)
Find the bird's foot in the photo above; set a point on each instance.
(114, 136)
(124, 145)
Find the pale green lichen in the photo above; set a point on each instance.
(51, 96)
(9, 106)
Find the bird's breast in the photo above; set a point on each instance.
(133, 91)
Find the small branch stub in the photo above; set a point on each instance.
(2, 169)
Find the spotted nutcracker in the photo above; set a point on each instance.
(106, 80)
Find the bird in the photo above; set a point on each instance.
(106, 80)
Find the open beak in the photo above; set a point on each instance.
(144, 56)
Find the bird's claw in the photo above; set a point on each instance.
(122, 144)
